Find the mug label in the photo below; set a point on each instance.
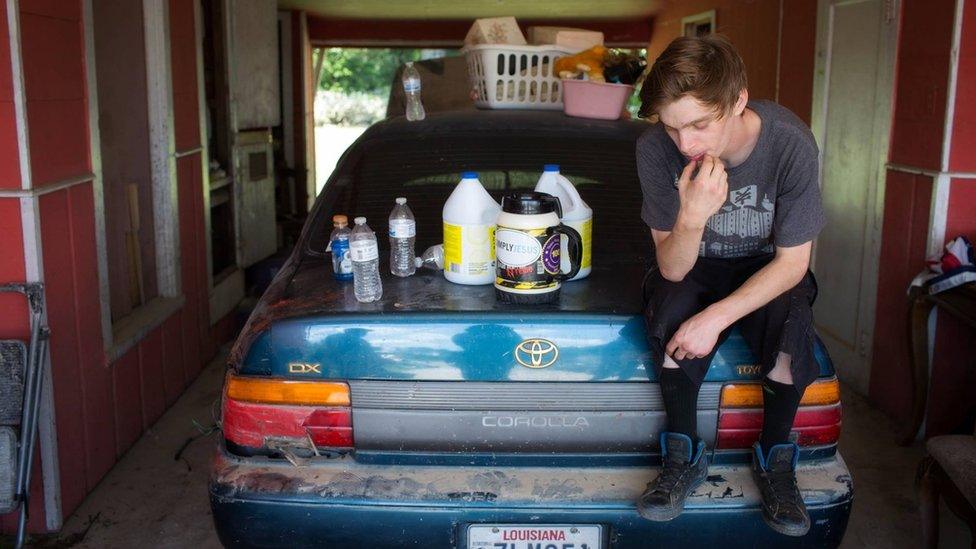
(526, 259)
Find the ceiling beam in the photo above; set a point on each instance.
(419, 33)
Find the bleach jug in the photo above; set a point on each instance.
(576, 214)
(469, 219)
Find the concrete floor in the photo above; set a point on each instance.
(151, 499)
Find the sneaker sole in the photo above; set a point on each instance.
(786, 530)
(659, 515)
(664, 515)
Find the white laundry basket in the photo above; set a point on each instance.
(515, 77)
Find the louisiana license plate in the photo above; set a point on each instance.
(534, 536)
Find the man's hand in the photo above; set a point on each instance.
(697, 336)
(704, 195)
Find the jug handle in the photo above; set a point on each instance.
(571, 193)
(574, 247)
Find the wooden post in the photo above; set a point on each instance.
(137, 291)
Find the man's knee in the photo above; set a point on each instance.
(675, 299)
(781, 370)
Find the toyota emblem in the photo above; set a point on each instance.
(536, 353)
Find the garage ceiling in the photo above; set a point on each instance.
(470, 9)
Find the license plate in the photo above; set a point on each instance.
(534, 536)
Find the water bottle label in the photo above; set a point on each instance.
(403, 228)
(411, 85)
(364, 250)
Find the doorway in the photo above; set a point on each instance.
(853, 92)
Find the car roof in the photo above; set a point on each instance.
(535, 122)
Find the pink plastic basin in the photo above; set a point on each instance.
(587, 99)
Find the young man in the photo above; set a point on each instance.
(732, 199)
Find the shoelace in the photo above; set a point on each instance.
(670, 476)
(782, 485)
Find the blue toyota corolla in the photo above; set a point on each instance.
(441, 418)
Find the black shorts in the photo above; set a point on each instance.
(785, 324)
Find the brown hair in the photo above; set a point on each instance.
(708, 68)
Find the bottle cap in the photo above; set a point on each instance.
(551, 168)
(401, 200)
(469, 175)
(340, 220)
(360, 220)
(409, 63)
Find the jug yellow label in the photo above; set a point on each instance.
(469, 249)
(452, 246)
(586, 235)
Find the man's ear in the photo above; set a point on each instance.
(740, 103)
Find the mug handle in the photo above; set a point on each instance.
(574, 246)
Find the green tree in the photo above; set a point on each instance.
(368, 70)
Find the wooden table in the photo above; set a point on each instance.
(960, 302)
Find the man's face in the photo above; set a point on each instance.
(696, 128)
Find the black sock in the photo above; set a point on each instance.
(780, 402)
(680, 402)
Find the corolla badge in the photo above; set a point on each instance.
(536, 353)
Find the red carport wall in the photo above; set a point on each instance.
(930, 198)
(104, 387)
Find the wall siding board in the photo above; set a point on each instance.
(798, 45)
(961, 157)
(151, 376)
(9, 150)
(128, 400)
(920, 89)
(184, 69)
(903, 242)
(58, 140)
(174, 376)
(59, 9)
(14, 322)
(99, 434)
(6, 69)
(60, 293)
(51, 74)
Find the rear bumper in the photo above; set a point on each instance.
(342, 503)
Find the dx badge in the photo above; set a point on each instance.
(536, 353)
(304, 368)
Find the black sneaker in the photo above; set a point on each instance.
(685, 466)
(782, 505)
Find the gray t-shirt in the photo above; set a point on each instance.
(774, 196)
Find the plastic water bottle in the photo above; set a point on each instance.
(433, 258)
(339, 245)
(365, 262)
(411, 91)
(403, 233)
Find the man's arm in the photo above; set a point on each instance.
(697, 336)
(677, 249)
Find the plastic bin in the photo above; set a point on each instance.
(601, 100)
(515, 77)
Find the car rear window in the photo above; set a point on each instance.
(425, 171)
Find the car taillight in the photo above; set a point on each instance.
(740, 415)
(258, 408)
